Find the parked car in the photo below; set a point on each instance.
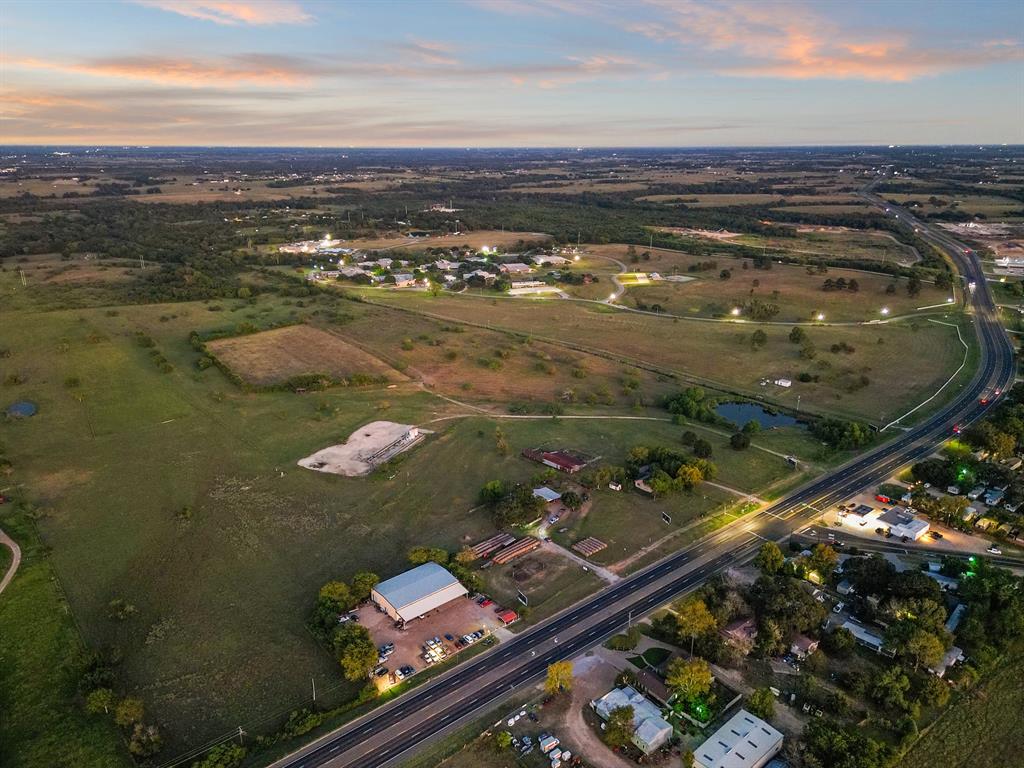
(838, 607)
(486, 602)
(935, 535)
(380, 671)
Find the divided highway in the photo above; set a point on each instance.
(394, 731)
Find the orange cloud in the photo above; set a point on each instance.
(252, 69)
(232, 12)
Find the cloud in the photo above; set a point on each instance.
(232, 12)
(257, 69)
(428, 51)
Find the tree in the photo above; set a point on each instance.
(739, 441)
(694, 618)
(421, 555)
(761, 703)
(362, 584)
(503, 740)
(355, 651)
(337, 595)
(934, 691)
(1002, 445)
(890, 688)
(769, 558)
(128, 711)
(572, 500)
(797, 335)
(924, 648)
(145, 741)
(228, 755)
(702, 448)
(853, 285)
(839, 642)
(913, 284)
(689, 678)
(689, 476)
(99, 700)
(559, 677)
(758, 338)
(752, 427)
(618, 731)
(823, 560)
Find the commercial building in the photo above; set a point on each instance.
(417, 592)
(650, 730)
(744, 741)
(901, 523)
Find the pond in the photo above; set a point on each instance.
(22, 409)
(740, 413)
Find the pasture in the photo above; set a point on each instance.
(273, 357)
(908, 361)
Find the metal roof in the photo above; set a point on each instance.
(420, 582)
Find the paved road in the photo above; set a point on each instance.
(395, 730)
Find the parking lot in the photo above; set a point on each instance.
(458, 618)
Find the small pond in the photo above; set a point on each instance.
(22, 409)
(740, 413)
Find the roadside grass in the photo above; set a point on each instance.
(41, 660)
(721, 354)
(981, 729)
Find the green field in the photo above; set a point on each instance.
(982, 730)
(42, 658)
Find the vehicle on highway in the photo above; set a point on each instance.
(994, 550)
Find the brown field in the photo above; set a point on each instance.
(273, 357)
(491, 237)
(904, 362)
(476, 364)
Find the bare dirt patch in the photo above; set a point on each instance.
(274, 357)
(366, 448)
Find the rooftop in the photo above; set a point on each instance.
(743, 741)
(406, 588)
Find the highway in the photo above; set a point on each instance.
(394, 731)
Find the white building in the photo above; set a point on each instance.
(744, 741)
(901, 523)
(515, 268)
(417, 592)
(650, 730)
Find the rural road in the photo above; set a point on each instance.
(11, 544)
(395, 730)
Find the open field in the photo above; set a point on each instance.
(41, 658)
(491, 237)
(721, 352)
(274, 357)
(166, 490)
(982, 730)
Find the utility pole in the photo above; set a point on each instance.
(22, 273)
(313, 681)
(241, 733)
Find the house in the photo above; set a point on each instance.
(803, 646)
(741, 634)
(955, 617)
(446, 266)
(975, 493)
(487, 277)
(745, 741)
(866, 637)
(650, 728)
(417, 592)
(515, 268)
(1013, 463)
(404, 280)
(785, 383)
(352, 271)
(953, 655)
(547, 494)
(994, 498)
(564, 461)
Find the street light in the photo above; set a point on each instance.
(611, 297)
(735, 311)
(820, 316)
(885, 310)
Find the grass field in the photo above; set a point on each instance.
(982, 730)
(549, 581)
(41, 659)
(273, 357)
(721, 352)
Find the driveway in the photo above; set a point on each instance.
(11, 544)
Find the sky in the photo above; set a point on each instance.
(505, 73)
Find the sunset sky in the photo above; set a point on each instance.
(511, 73)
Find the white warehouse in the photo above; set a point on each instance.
(416, 593)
